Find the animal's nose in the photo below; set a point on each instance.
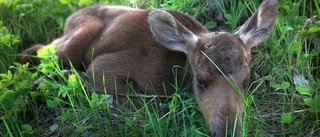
(222, 130)
(224, 133)
(216, 131)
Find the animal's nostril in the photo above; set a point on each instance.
(224, 131)
(229, 133)
(214, 134)
(233, 132)
(216, 131)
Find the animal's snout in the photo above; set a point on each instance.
(225, 122)
(222, 132)
(222, 109)
(221, 127)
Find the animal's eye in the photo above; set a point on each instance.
(201, 84)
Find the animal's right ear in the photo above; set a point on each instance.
(259, 25)
(170, 32)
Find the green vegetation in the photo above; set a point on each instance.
(283, 96)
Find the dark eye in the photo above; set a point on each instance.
(201, 84)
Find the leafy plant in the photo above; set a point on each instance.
(282, 97)
(8, 43)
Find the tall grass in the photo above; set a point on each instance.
(282, 99)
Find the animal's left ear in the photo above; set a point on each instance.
(258, 27)
(170, 32)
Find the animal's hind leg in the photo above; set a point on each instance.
(29, 55)
(80, 32)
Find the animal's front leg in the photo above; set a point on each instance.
(111, 74)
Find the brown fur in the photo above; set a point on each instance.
(117, 44)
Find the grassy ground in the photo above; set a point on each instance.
(283, 96)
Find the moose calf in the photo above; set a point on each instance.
(121, 44)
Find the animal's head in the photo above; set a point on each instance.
(219, 61)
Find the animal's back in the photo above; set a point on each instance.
(115, 43)
(123, 28)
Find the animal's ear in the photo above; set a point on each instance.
(170, 32)
(259, 25)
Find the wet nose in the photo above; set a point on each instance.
(221, 127)
(230, 132)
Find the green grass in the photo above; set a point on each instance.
(282, 99)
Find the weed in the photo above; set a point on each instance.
(282, 97)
